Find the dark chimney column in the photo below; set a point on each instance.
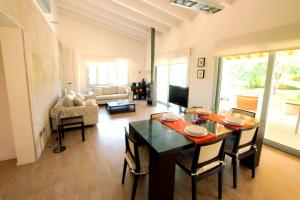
(153, 71)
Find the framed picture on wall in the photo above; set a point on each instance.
(200, 73)
(201, 62)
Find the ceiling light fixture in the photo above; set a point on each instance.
(210, 6)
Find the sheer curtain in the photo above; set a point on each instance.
(172, 69)
(105, 71)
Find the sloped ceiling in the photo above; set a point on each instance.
(131, 17)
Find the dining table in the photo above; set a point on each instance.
(166, 139)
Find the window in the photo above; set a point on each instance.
(107, 72)
(179, 74)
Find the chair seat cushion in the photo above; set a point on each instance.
(144, 161)
(228, 149)
(185, 158)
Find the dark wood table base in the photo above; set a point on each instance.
(121, 108)
(161, 176)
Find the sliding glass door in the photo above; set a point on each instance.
(246, 79)
(162, 83)
(174, 73)
(243, 82)
(284, 107)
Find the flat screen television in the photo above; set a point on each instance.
(178, 95)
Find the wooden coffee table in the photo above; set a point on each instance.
(120, 106)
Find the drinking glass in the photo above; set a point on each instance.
(194, 118)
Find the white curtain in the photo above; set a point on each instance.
(105, 71)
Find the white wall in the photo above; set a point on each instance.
(238, 26)
(67, 69)
(17, 93)
(7, 146)
(84, 39)
(43, 74)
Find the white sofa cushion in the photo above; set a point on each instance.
(122, 90)
(109, 90)
(112, 97)
(97, 91)
(104, 97)
(114, 89)
(119, 96)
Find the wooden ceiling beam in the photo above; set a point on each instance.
(129, 14)
(149, 11)
(104, 15)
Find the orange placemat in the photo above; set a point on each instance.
(179, 126)
(219, 119)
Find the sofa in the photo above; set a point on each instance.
(73, 105)
(104, 94)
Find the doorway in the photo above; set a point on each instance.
(17, 94)
(245, 80)
(283, 117)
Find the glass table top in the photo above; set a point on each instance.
(121, 102)
(163, 139)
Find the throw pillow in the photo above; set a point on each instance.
(72, 92)
(69, 101)
(80, 96)
(78, 102)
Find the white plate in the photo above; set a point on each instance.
(195, 130)
(169, 117)
(234, 121)
(202, 111)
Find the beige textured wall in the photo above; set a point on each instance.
(42, 61)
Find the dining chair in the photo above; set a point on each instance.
(137, 159)
(241, 147)
(157, 115)
(202, 161)
(192, 109)
(243, 112)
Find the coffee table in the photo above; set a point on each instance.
(120, 106)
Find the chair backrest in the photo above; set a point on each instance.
(243, 112)
(132, 149)
(245, 138)
(247, 102)
(208, 153)
(157, 115)
(192, 109)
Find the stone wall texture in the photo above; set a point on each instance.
(42, 57)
